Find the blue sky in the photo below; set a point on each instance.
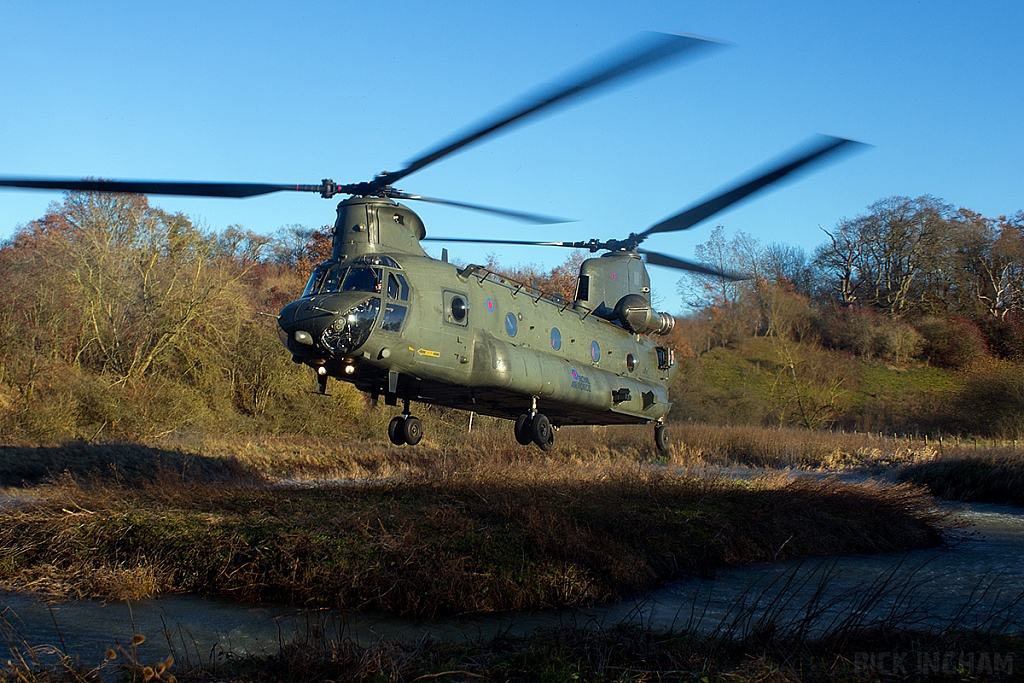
(292, 93)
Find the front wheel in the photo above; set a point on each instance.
(661, 439)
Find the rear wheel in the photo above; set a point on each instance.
(412, 430)
(395, 431)
(540, 430)
(524, 435)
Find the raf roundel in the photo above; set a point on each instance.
(490, 305)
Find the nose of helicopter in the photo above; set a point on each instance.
(323, 326)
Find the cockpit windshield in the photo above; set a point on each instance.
(362, 279)
(329, 278)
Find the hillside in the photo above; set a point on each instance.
(766, 381)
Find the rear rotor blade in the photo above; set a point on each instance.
(654, 258)
(184, 189)
(524, 216)
(821, 147)
(651, 257)
(651, 50)
(471, 240)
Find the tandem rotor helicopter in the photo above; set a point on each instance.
(398, 324)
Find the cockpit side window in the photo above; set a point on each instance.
(398, 288)
(322, 278)
(363, 280)
(393, 317)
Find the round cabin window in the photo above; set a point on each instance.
(511, 325)
(595, 351)
(630, 362)
(459, 309)
(556, 339)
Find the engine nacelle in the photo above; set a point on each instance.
(636, 315)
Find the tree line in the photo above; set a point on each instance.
(913, 280)
(119, 320)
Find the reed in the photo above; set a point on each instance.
(790, 630)
(985, 475)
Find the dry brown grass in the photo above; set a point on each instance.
(793, 448)
(988, 475)
(526, 535)
(450, 446)
(466, 521)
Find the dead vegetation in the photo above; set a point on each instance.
(527, 533)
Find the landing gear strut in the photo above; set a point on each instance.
(405, 428)
(533, 427)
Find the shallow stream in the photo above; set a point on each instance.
(977, 580)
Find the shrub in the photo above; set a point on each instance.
(897, 341)
(1005, 336)
(870, 335)
(849, 329)
(951, 342)
(992, 403)
(143, 410)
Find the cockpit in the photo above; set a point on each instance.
(384, 308)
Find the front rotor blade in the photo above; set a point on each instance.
(821, 147)
(184, 189)
(524, 216)
(651, 50)
(654, 258)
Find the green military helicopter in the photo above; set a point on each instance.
(398, 324)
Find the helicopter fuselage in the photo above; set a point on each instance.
(399, 324)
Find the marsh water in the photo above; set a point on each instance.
(978, 579)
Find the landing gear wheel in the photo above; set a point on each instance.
(524, 435)
(540, 430)
(395, 431)
(661, 439)
(412, 430)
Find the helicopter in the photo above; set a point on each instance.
(400, 325)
